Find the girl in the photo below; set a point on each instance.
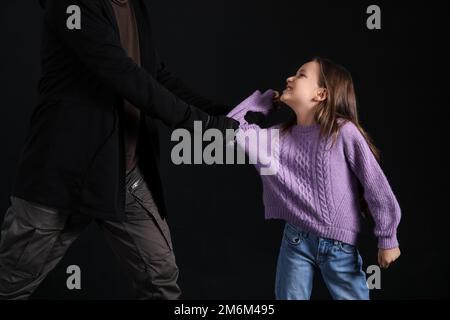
(325, 159)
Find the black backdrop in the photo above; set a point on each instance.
(226, 49)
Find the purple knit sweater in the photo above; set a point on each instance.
(315, 186)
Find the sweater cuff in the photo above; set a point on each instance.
(258, 102)
(239, 113)
(388, 242)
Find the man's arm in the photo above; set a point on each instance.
(179, 88)
(98, 47)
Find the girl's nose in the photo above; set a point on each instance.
(290, 79)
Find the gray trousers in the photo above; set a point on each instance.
(34, 238)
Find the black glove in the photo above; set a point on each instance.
(254, 117)
(208, 121)
(222, 123)
(283, 114)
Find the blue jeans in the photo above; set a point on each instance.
(301, 253)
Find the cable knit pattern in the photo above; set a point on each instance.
(316, 185)
(321, 167)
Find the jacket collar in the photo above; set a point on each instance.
(111, 15)
(139, 8)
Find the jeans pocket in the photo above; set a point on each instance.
(346, 248)
(292, 236)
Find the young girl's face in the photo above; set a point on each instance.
(302, 90)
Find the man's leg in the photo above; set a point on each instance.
(34, 238)
(143, 244)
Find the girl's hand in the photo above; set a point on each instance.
(387, 256)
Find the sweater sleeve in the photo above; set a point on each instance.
(380, 198)
(257, 101)
(261, 145)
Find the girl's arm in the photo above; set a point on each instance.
(261, 145)
(256, 102)
(380, 198)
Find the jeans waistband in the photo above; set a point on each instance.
(308, 234)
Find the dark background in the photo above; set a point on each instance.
(226, 49)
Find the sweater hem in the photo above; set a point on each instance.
(324, 231)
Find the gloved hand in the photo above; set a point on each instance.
(207, 122)
(254, 117)
(282, 114)
(222, 123)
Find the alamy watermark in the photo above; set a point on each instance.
(374, 20)
(373, 280)
(74, 20)
(74, 279)
(261, 146)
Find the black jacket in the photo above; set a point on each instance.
(73, 157)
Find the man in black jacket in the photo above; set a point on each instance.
(91, 150)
